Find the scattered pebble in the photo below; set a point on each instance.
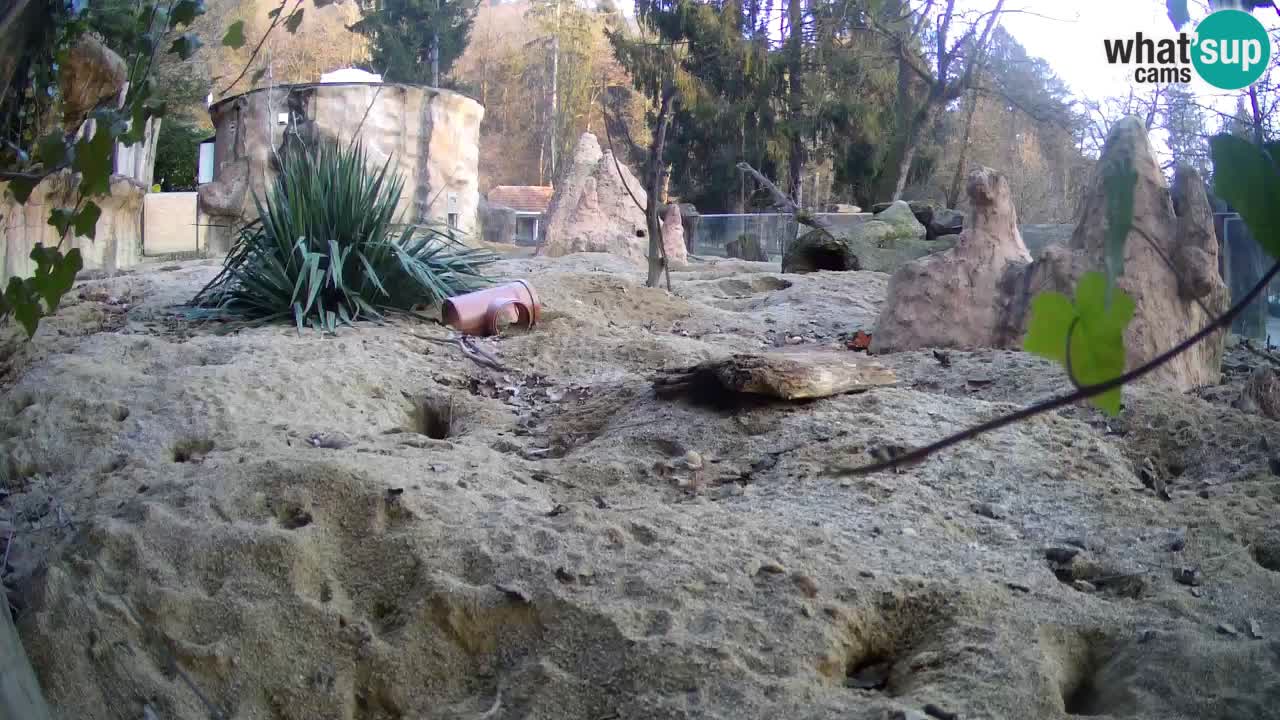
(772, 567)
(1228, 629)
(936, 712)
(1084, 586)
(807, 585)
(1197, 592)
(1061, 554)
(1018, 587)
(910, 532)
(1188, 576)
(987, 510)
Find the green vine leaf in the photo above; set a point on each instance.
(52, 150)
(61, 218)
(55, 274)
(185, 12)
(23, 304)
(1246, 177)
(93, 161)
(86, 221)
(294, 21)
(234, 37)
(1094, 325)
(21, 188)
(185, 46)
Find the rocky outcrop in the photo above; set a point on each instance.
(977, 295)
(1170, 267)
(92, 73)
(673, 240)
(819, 250)
(945, 221)
(691, 219)
(888, 240)
(118, 240)
(896, 221)
(961, 297)
(595, 208)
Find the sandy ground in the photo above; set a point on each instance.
(261, 525)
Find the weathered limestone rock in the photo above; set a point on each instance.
(1171, 302)
(691, 218)
(945, 221)
(978, 294)
(746, 247)
(592, 210)
(92, 73)
(960, 297)
(819, 250)
(673, 236)
(896, 221)
(118, 242)
(433, 136)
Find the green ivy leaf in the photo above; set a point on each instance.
(292, 22)
(275, 13)
(234, 37)
(55, 274)
(86, 222)
(1096, 324)
(1246, 177)
(185, 46)
(186, 11)
(52, 150)
(23, 303)
(21, 188)
(1118, 182)
(93, 161)
(61, 218)
(1178, 13)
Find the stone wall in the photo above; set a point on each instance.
(432, 134)
(119, 234)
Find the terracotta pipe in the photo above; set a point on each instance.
(478, 313)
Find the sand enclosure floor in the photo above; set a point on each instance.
(261, 525)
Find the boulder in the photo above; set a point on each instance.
(1037, 237)
(594, 208)
(497, 223)
(902, 220)
(960, 297)
(1168, 229)
(922, 211)
(92, 73)
(746, 247)
(945, 221)
(691, 219)
(979, 293)
(819, 250)
(673, 235)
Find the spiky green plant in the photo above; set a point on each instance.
(325, 249)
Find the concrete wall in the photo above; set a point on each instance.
(119, 234)
(171, 224)
(432, 134)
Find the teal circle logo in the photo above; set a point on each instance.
(1232, 49)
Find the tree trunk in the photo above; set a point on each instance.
(553, 120)
(657, 251)
(953, 195)
(795, 89)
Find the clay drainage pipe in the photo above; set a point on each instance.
(477, 313)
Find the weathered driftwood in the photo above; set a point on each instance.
(777, 375)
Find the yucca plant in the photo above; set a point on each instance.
(325, 249)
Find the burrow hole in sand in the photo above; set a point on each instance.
(191, 450)
(880, 642)
(1080, 657)
(437, 416)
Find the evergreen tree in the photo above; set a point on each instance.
(415, 41)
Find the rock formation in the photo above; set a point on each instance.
(91, 72)
(945, 221)
(819, 250)
(673, 239)
(593, 208)
(977, 295)
(960, 297)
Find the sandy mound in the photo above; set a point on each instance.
(263, 525)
